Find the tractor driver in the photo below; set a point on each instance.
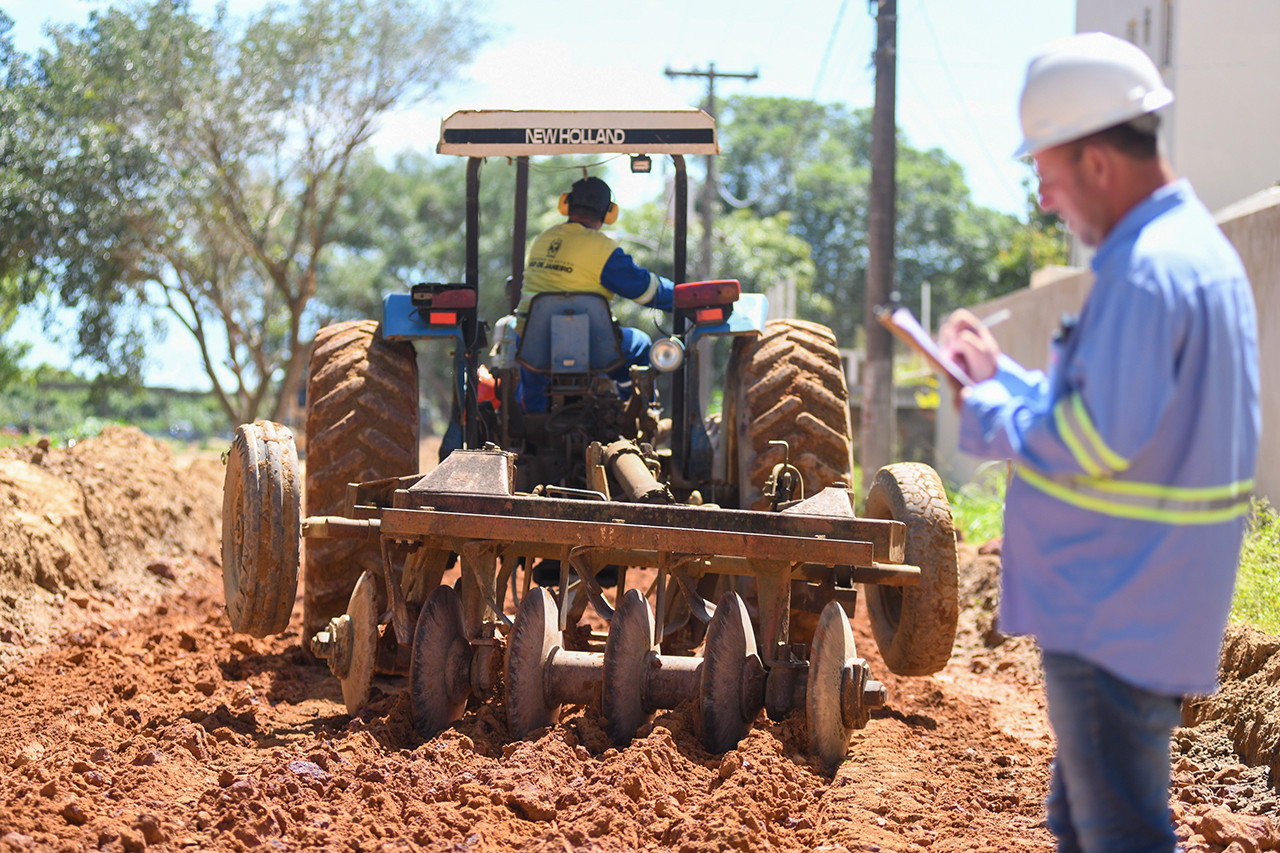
(575, 256)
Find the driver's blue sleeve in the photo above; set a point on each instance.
(623, 276)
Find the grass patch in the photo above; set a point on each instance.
(978, 506)
(1257, 595)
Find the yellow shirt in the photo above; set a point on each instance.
(566, 258)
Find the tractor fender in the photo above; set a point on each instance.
(750, 313)
(400, 322)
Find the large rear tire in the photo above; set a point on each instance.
(362, 425)
(915, 626)
(788, 385)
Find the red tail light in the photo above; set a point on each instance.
(460, 299)
(703, 294)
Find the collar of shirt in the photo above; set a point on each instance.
(1126, 230)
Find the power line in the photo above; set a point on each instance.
(826, 54)
(711, 183)
(964, 105)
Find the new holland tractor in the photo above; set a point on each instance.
(630, 553)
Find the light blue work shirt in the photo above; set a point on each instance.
(1134, 455)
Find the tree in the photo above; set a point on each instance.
(23, 217)
(224, 152)
(813, 161)
(19, 157)
(1039, 243)
(405, 222)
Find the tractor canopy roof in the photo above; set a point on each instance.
(524, 133)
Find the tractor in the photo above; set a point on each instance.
(623, 549)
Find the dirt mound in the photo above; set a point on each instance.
(1246, 708)
(110, 522)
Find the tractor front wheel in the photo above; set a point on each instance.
(260, 529)
(915, 626)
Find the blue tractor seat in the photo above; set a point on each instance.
(570, 333)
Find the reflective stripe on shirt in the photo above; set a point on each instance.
(1082, 439)
(1145, 501)
(651, 291)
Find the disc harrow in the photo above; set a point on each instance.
(465, 641)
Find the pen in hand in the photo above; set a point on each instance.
(995, 318)
(968, 341)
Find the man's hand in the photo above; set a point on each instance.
(970, 344)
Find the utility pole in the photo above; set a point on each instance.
(710, 187)
(878, 427)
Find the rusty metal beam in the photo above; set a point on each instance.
(886, 538)
(409, 524)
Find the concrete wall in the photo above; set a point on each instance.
(1253, 226)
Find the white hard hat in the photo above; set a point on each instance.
(1084, 83)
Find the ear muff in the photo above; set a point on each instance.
(564, 204)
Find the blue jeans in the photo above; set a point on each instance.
(1110, 787)
(531, 392)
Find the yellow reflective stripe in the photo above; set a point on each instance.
(1179, 493)
(1113, 460)
(648, 295)
(1062, 421)
(1083, 440)
(1147, 501)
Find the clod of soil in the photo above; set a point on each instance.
(133, 718)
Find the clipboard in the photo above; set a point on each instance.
(904, 326)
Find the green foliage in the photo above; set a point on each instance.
(978, 506)
(195, 167)
(813, 161)
(1039, 242)
(1257, 593)
(11, 355)
(75, 432)
(24, 213)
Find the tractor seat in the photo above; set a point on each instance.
(570, 333)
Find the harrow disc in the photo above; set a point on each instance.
(534, 639)
(440, 672)
(362, 642)
(626, 652)
(732, 688)
(833, 653)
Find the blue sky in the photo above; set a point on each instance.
(960, 68)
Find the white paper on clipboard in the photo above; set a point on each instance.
(907, 329)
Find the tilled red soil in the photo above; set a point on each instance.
(134, 718)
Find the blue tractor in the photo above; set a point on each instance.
(622, 548)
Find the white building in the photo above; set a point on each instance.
(1221, 58)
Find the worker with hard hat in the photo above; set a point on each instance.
(1133, 455)
(575, 256)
